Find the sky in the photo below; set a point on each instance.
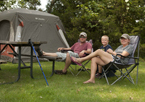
(43, 4)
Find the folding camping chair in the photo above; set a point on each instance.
(132, 64)
(83, 67)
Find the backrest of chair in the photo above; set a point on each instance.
(134, 40)
(90, 41)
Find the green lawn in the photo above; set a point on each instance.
(66, 88)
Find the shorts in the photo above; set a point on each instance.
(117, 60)
(63, 55)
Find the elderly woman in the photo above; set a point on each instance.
(100, 57)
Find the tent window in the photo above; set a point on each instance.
(4, 30)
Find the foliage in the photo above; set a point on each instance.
(95, 17)
(11, 4)
(31, 4)
(100, 17)
(66, 10)
(109, 17)
(5, 5)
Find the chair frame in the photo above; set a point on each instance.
(129, 68)
(82, 68)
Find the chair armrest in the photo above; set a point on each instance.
(120, 55)
(86, 54)
(115, 57)
(64, 51)
(133, 57)
(127, 56)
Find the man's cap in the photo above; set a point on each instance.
(126, 36)
(83, 34)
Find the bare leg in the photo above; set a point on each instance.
(67, 62)
(104, 56)
(94, 63)
(50, 54)
(100, 68)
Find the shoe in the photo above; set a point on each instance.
(39, 51)
(88, 69)
(98, 75)
(60, 72)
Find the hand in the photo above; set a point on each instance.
(81, 54)
(110, 51)
(59, 49)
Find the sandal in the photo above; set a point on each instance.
(38, 50)
(60, 72)
(74, 60)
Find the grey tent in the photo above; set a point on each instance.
(22, 24)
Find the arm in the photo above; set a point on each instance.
(60, 49)
(124, 53)
(111, 52)
(85, 52)
(88, 51)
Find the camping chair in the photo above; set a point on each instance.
(132, 64)
(83, 67)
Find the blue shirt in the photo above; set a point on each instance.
(106, 47)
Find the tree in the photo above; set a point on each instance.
(95, 17)
(11, 4)
(5, 5)
(30, 4)
(66, 10)
(110, 17)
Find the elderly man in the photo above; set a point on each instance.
(77, 50)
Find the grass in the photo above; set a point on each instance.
(66, 88)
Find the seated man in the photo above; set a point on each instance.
(79, 49)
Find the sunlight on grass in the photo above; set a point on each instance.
(67, 88)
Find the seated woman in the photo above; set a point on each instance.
(100, 57)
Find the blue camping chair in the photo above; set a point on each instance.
(132, 64)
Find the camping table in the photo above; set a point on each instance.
(20, 45)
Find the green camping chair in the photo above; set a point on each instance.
(132, 64)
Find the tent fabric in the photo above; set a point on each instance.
(37, 26)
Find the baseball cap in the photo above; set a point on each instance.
(83, 34)
(126, 36)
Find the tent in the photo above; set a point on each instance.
(22, 24)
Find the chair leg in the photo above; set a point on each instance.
(116, 80)
(129, 78)
(70, 70)
(137, 75)
(83, 68)
(125, 75)
(121, 77)
(105, 76)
